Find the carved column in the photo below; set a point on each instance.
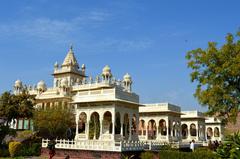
(101, 125)
(77, 118)
(189, 132)
(87, 125)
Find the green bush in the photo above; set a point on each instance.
(166, 146)
(14, 148)
(30, 150)
(230, 148)
(146, 155)
(169, 154)
(24, 134)
(4, 153)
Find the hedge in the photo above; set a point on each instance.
(171, 154)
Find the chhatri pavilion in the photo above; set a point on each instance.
(121, 123)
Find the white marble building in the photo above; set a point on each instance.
(160, 122)
(118, 121)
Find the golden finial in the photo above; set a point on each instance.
(71, 47)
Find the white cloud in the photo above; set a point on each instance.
(74, 30)
(53, 29)
(122, 45)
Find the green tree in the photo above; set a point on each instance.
(8, 109)
(14, 107)
(54, 122)
(216, 71)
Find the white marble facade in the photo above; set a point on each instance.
(114, 110)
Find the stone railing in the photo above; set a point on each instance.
(96, 145)
(105, 94)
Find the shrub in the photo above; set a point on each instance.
(25, 134)
(169, 154)
(4, 153)
(30, 150)
(14, 148)
(146, 155)
(166, 146)
(230, 148)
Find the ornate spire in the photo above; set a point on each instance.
(70, 59)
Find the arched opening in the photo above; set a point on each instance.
(152, 130)
(193, 130)
(82, 123)
(184, 131)
(107, 123)
(209, 133)
(142, 128)
(118, 123)
(216, 132)
(94, 126)
(162, 127)
(48, 105)
(134, 124)
(126, 126)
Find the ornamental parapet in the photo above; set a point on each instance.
(99, 145)
(104, 95)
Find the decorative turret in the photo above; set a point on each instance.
(18, 84)
(18, 87)
(56, 65)
(106, 73)
(83, 68)
(41, 86)
(127, 82)
(70, 60)
(69, 70)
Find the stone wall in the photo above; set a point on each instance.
(85, 154)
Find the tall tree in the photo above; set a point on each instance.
(53, 122)
(216, 71)
(14, 107)
(8, 110)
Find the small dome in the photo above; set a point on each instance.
(18, 84)
(41, 85)
(56, 64)
(83, 66)
(127, 77)
(64, 82)
(107, 69)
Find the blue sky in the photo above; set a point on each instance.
(148, 39)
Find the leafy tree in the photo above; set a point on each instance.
(14, 107)
(8, 109)
(216, 71)
(54, 122)
(25, 104)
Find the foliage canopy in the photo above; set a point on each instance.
(216, 71)
(14, 107)
(53, 122)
